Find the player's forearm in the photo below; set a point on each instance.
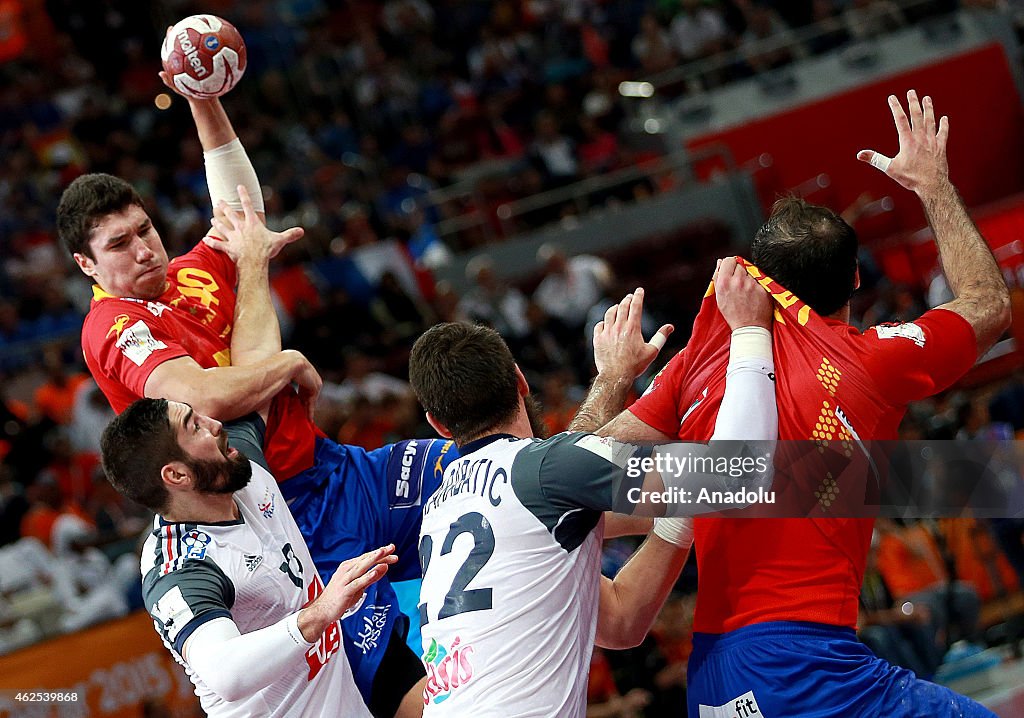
(234, 665)
(605, 400)
(224, 392)
(630, 603)
(256, 335)
(972, 272)
(212, 123)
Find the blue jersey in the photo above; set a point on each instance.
(353, 500)
(808, 670)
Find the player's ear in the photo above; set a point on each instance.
(440, 428)
(856, 278)
(175, 475)
(521, 383)
(85, 264)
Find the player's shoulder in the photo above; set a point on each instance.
(175, 547)
(930, 327)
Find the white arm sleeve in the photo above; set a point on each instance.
(227, 167)
(749, 411)
(747, 427)
(235, 665)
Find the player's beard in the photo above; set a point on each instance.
(221, 477)
(534, 413)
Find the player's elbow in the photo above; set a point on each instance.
(1002, 309)
(619, 630)
(228, 688)
(621, 637)
(226, 684)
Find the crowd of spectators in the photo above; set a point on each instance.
(352, 114)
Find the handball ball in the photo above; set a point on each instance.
(204, 56)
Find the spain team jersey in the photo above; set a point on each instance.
(834, 384)
(256, 571)
(125, 339)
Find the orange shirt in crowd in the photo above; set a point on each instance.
(56, 402)
(978, 560)
(39, 521)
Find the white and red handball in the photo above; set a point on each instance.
(204, 56)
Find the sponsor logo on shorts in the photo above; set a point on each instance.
(902, 331)
(374, 619)
(744, 706)
(447, 670)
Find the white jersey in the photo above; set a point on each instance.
(256, 571)
(510, 548)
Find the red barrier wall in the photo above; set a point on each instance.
(986, 147)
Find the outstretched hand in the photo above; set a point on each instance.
(920, 165)
(344, 590)
(741, 300)
(619, 346)
(243, 234)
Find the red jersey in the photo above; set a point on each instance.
(832, 383)
(125, 339)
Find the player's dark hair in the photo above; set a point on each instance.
(135, 446)
(86, 201)
(464, 375)
(811, 251)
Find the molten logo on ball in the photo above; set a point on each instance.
(204, 56)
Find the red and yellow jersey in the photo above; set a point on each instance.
(125, 339)
(833, 383)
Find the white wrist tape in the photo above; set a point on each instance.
(750, 342)
(227, 167)
(678, 532)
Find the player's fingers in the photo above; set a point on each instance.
(599, 328)
(371, 557)
(718, 266)
(293, 234)
(358, 585)
(899, 116)
(609, 316)
(229, 213)
(929, 116)
(221, 227)
(943, 135)
(623, 311)
(661, 336)
(916, 114)
(875, 159)
(247, 208)
(727, 268)
(636, 306)
(215, 242)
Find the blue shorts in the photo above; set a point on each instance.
(805, 670)
(352, 501)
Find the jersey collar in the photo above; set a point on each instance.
(480, 443)
(99, 293)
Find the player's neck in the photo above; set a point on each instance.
(518, 427)
(843, 315)
(202, 509)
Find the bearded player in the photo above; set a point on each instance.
(176, 330)
(777, 598)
